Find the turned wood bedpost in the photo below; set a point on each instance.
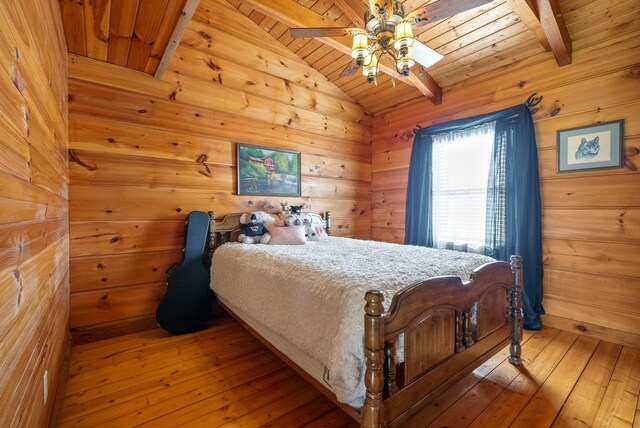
(212, 231)
(516, 311)
(373, 411)
(459, 331)
(390, 366)
(327, 219)
(467, 325)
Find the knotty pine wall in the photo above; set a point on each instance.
(139, 141)
(591, 220)
(34, 237)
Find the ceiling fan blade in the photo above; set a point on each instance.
(351, 69)
(324, 32)
(425, 55)
(442, 9)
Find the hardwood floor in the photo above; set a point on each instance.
(222, 376)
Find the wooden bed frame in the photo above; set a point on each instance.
(446, 327)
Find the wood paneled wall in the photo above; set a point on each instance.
(152, 151)
(34, 232)
(591, 220)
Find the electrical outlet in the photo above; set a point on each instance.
(45, 385)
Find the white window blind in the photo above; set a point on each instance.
(460, 162)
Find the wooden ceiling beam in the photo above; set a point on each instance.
(185, 17)
(555, 29)
(353, 9)
(544, 18)
(295, 15)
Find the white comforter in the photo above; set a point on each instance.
(313, 294)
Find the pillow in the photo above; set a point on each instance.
(321, 232)
(311, 233)
(289, 235)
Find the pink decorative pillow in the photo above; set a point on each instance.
(289, 235)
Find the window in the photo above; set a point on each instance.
(473, 185)
(460, 174)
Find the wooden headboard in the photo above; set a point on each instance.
(228, 228)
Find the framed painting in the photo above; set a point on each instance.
(267, 171)
(591, 147)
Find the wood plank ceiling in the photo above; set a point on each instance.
(472, 42)
(130, 33)
(135, 33)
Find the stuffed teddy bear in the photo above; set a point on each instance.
(292, 220)
(253, 229)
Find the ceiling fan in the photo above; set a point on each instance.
(390, 30)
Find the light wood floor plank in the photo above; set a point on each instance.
(151, 346)
(143, 405)
(120, 373)
(89, 373)
(548, 400)
(102, 347)
(168, 403)
(471, 404)
(236, 403)
(169, 374)
(216, 359)
(222, 376)
(618, 407)
(136, 340)
(335, 418)
(440, 404)
(506, 407)
(274, 409)
(581, 407)
(303, 414)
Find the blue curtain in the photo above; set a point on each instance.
(513, 198)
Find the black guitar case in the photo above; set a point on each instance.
(186, 307)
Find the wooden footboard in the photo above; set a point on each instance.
(434, 333)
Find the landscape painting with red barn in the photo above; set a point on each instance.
(268, 171)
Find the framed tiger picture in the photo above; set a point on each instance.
(591, 147)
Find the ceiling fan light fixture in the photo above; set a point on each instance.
(404, 63)
(403, 37)
(360, 48)
(370, 68)
(388, 30)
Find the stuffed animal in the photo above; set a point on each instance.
(310, 232)
(292, 220)
(253, 228)
(286, 210)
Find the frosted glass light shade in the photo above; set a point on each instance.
(405, 63)
(403, 35)
(360, 45)
(370, 68)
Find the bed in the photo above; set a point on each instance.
(430, 316)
